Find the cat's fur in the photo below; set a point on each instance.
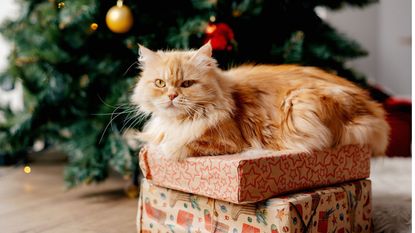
(283, 107)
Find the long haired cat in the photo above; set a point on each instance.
(198, 109)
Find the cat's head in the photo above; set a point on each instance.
(176, 83)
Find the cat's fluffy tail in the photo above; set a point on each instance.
(317, 121)
(367, 129)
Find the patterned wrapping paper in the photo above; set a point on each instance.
(252, 177)
(339, 209)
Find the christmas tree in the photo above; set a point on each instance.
(77, 77)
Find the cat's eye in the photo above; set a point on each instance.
(187, 83)
(159, 83)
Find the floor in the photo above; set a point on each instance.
(39, 202)
(391, 194)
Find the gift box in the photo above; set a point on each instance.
(342, 208)
(256, 175)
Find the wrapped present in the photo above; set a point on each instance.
(342, 208)
(257, 175)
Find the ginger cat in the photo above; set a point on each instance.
(198, 109)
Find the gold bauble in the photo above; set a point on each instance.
(119, 18)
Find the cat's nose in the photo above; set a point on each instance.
(172, 96)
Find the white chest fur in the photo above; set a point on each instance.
(171, 136)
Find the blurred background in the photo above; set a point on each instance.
(67, 68)
(384, 30)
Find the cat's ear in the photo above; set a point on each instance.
(203, 56)
(146, 55)
(205, 50)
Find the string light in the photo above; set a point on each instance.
(236, 13)
(61, 5)
(210, 28)
(84, 81)
(27, 169)
(94, 26)
(212, 18)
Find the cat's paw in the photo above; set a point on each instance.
(142, 136)
(132, 140)
(175, 154)
(148, 137)
(179, 156)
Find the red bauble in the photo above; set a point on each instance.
(218, 42)
(220, 35)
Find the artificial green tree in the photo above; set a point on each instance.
(77, 77)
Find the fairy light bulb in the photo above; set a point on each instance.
(27, 169)
(94, 26)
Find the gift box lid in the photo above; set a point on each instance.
(253, 176)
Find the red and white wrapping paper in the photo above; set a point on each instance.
(337, 209)
(254, 176)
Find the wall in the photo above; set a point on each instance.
(14, 98)
(394, 66)
(8, 9)
(384, 29)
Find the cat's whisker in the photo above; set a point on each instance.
(191, 111)
(137, 121)
(133, 123)
(186, 107)
(162, 102)
(195, 110)
(112, 113)
(112, 106)
(216, 107)
(127, 120)
(199, 103)
(190, 103)
(196, 101)
(109, 123)
(137, 118)
(187, 111)
(129, 110)
(128, 69)
(202, 107)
